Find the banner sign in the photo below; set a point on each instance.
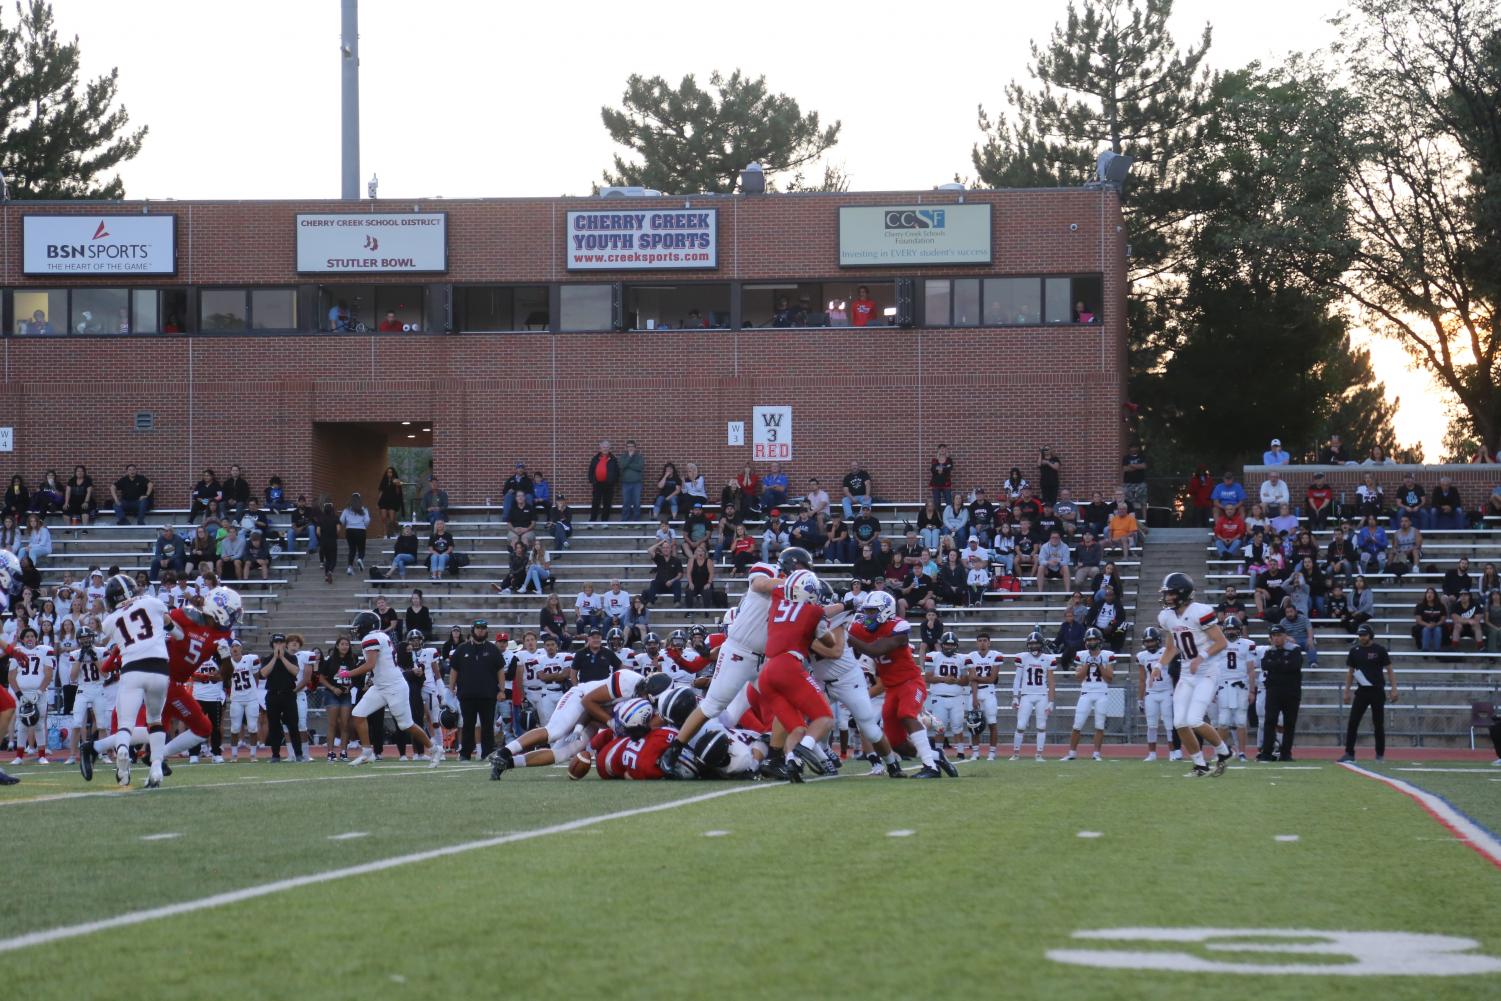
(772, 441)
(895, 235)
(632, 240)
(349, 243)
(99, 245)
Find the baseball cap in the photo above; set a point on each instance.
(1276, 441)
(1277, 630)
(596, 631)
(1365, 630)
(520, 465)
(278, 637)
(481, 624)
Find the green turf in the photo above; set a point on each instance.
(806, 896)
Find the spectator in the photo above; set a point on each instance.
(1258, 519)
(553, 622)
(1067, 513)
(1274, 493)
(952, 583)
(231, 552)
(257, 557)
(418, 615)
(303, 521)
(1457, 581)
(774, 488)
(167, 554)
(1069, 639)
(863, 312)
(956, 521)
(1134, 476)
(1300, 630)
(541, 495)
(1230, 604)
(1053, 563)
(632, 471)
(839, 547)
(1369, 498)
(1275, 456)
(749, 485)
(517, 489)
(1378, 457)
(1334, 453)
(1002, 549)
(328, 541)
(1107, 615)
(435, 501)
(868, 566)
(355, 520)
(1048, 467)
(1229, 497)
(521, 523)
(1026, 507)
(1087, 558)
(207, 497)
(236, 493)
(866, 528)
(1445, 512)
(742, 548)
(667, 575)
(1011, 487)
(1285, 522)
(804, 531)
(276, 495)
(604, 474)
(982, 517)
(1407, 550)
(80, 503)
(1362, 605)
(1371, 544)
(538, 569)
(1412, 501)
(941, 478)
(1319, 499)
(1493, 623)
(1229, 535)
(1201, 497)
(1492, 503)
(517, 558)
(693, 486)
(669, 487)
(562, 522)
(775, 538)
(439, 549)
(405, 551)
(818, 502)
(1489, 581)
(1096, 514)
(1428, 619)
(698, 529)
(1467, 616)
(17, 498)
(637, 620)
(857, 488)
(1109, 576)
(48, 497)
(1125, 531)
(10, 534)
(614, 603)
(1339, 556)
(701, 579)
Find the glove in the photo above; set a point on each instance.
(222, 648)
(1015, 704)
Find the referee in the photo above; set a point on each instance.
(281, 672)
(1364, 664)
(1283, 668)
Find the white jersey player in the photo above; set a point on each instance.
(984, 666)
(845, 680)
(554, 669)
(649, 660)
(1156, 686)
(307, 670)
(1094, 672)
(244, 699)
(1193, 634)
(1033, 691)
(1237, 683)
(94, 696)
(582, 710)
(947, 675)
(137, 625)
(31, 673)
(388, 690)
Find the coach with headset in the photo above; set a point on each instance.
(477, 675)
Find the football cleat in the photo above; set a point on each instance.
(1014, 757)
(501, 762)
(774, 770)
(879, 769)
(894, 769)
(947, 766)
(1199, 772)
(435, 758)
(927, 772)
(795, 771)
(1040, 757)
(1220, 762)
(154, 779)
(813, 758)
(669, 757)
(1151, 757)
(1097, 756)
(122, 768)
(86, 756)
(7, 779)
(1070, 756)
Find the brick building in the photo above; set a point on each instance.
(180, 335)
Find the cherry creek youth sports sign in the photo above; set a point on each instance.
(641, 240)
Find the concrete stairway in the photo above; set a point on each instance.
(1169, 550)
(313, 608)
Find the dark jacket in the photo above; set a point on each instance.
(480, 667)
(237, 490)
(421, 618)
(1283, 668)
(612, 469)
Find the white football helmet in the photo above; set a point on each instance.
(223, 607)
(879, 607)
(801, 586)
(633, 717)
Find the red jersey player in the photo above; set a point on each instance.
(625, 758)
(879, 634)
(799, 711)
(191, 656)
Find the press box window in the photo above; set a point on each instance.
(676, 307)
(502, 307)
(966, 302)
(362, 308)
(938, 300)
(222, 309)
(1012, 301)
(40, 313)
(584, 307)
(273, 309)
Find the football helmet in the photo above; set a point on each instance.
(118, 590)
(615, 639)
(826, 595)
(678, 639)
(364, 624)
(417, 636)
(653, 642)
(1177, 590)
(448, 719)
(1034, 643)
(85, 637)
(879, 608)
(1093, 638)
(29, 713)
(713, 751)
(801, 587)
(633, 717)
(974, 721)
(528, 716)
(1233, 628)
(1151, 638)
(697, 633)
(794, 558)
(675, 704)
(223, 607)
(948, 642)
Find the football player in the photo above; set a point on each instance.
(137, 625)
(984, 666)
(1156, 686)
(244, 702)
(1237, 682)
(1032, 693)
(801, 717)
(649, 660)
(388, 690)
(1192, 630)
(581, 711)
(844, 679)
(947, 677)
(1094, 674)
(879, 634)
(307, 670)
(682, 663)
(94, 697)
(557, 674)
(744, 646)
(31, 670)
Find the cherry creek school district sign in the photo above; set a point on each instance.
(664, 240)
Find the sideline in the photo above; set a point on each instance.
(1463, 827)
(266, 889)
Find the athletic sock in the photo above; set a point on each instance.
(185, 741)
(893, 758)
(924, 749)
(520, 761)
(514, 746)
(1042, 739)
(809, 743)
(1223, 750)
(1198, 758)
(1016, 742)
(338, 741)
(158, 741)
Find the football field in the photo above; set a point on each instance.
(1112, 880)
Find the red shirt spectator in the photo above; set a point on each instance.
(863, 309)
(1230, 529)
(390, 325)
(1200, 486)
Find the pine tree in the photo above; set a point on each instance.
(689, 139)
(59, 138)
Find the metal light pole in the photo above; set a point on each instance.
(349, 54)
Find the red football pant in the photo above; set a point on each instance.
(788, 694)
(904, 701)
(7, 700)
(181, 707)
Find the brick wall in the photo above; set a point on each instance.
(885, 396)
